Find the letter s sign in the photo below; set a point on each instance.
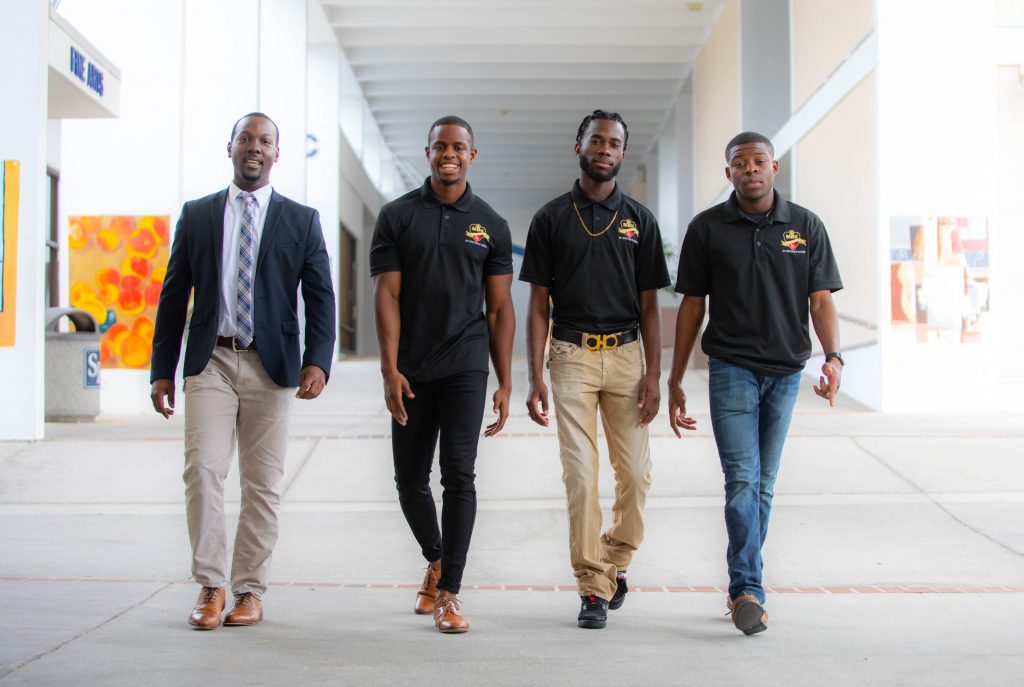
(92, 368)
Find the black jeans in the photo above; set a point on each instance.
(452, 407)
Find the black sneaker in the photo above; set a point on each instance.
(593, 612)
(621, 589)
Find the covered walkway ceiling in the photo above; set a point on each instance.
(523, 73)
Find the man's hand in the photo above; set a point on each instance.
(501, 401)
(828, 385)
(396, 386)
(677, 417)
(157, 392)
(649, 399)
(312, 381)
(537, 403)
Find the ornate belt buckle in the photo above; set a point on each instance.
(600, 342)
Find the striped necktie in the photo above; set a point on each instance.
(246, 270)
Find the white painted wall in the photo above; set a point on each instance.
(937, 144)
(190, 69)
(23, 43)
(323, 168)
(135, 164)
(283, 82)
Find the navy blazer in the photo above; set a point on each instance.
(292, 253)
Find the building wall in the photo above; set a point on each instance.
(1008, 237)
(716, 104)
(187, 78)
(937, 157)
(23, 34)
(836, 179)
(824, 33)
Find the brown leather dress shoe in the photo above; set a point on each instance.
(428, 590)
(206, 612)
(448, 613)
(748, 615)
(248, 610)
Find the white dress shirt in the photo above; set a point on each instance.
(229, 259)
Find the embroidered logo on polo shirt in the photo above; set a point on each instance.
(628, 230)
(477, 235)
(792, 241)
(477, 232)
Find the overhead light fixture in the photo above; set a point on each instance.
(695, 6)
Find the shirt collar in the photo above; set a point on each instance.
(463, 204)
(262, 194)
(582, 200)
(779, 213)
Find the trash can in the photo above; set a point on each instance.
(72, 367)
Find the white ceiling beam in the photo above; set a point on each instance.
(580, 103)
(564, 14)
(612, 41)
(709, 7)
(422, 117)
(478, 88)
(521, 141)
(588, 72)
(514, 54)
(490, 128)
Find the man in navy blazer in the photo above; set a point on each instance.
(242, 253)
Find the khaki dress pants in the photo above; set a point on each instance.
(231, 404)
(583, 381)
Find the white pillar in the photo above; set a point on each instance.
(323, 166)
(23, 43)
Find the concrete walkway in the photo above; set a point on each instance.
(896, 557)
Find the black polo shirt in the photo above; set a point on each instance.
(759, 276)
(444, 252)
(595, 281)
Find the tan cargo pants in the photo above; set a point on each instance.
(583, 381)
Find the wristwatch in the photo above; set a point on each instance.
(837, 356)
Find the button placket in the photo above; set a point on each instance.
(446, 226)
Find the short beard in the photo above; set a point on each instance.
(252, 177)
(594, 176)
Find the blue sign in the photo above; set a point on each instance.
(86, 72)
(92, 368)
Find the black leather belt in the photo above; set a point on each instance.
(596, 342)
(229, 342)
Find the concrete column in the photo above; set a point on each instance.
(323, 166)
(282, 80)
(23, 45)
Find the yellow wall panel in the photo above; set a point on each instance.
(717, 98)
(836, 179)
(824, 33)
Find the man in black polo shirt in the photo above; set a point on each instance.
(597, 255)
(760, 260)
(438, 254)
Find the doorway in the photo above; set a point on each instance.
(347, 310)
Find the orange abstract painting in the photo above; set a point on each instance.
(116, 270)
(10, 177)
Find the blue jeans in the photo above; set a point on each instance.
(750, 415)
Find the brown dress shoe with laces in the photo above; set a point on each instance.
(448, 613)
(248, 610)
(206, 612)
(748, 615)
(428, 590)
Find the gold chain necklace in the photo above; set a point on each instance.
(584, 224)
